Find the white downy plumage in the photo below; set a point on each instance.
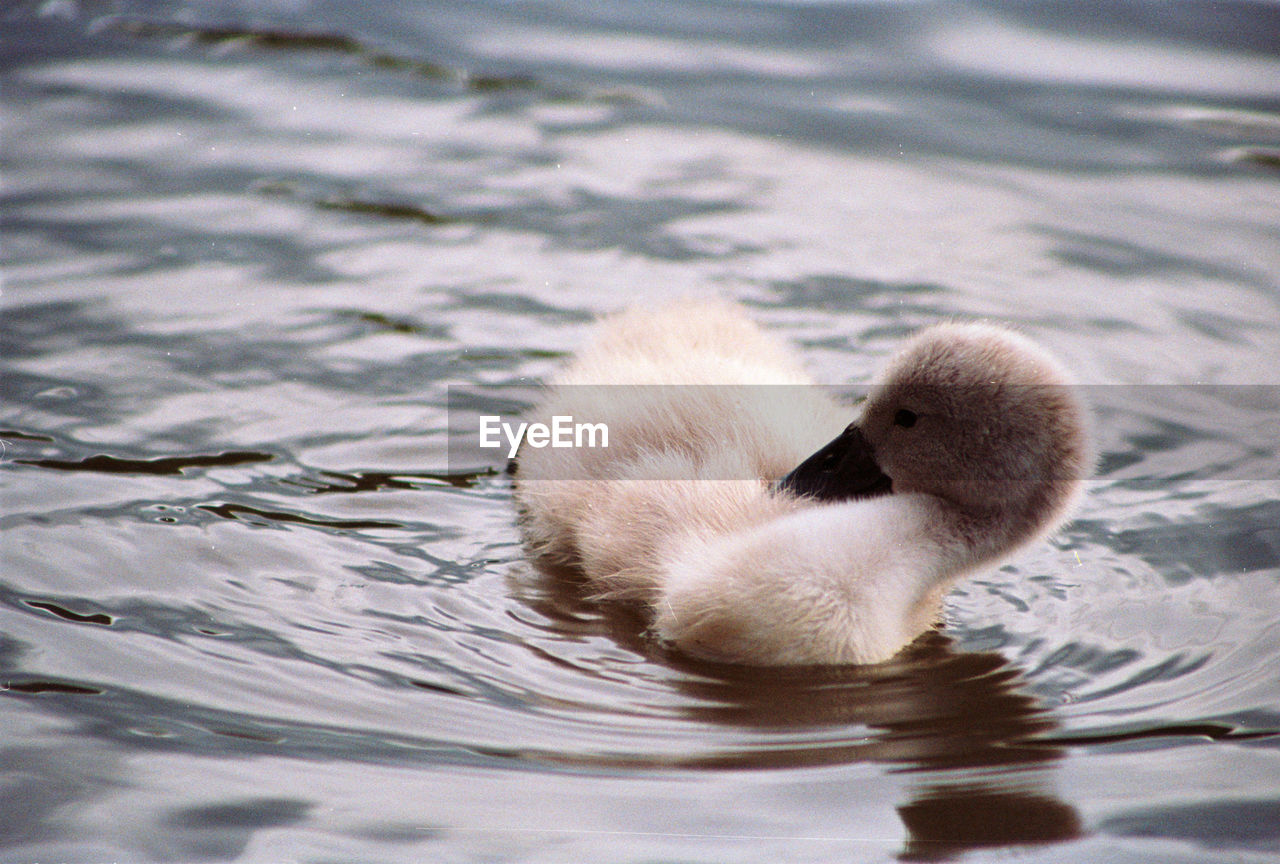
(692, 509)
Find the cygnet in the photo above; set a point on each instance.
(756, 526)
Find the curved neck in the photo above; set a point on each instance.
(971, 538)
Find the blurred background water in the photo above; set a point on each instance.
(249, 610)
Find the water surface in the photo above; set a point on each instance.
(251, 610)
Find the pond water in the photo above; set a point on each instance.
(250, 609)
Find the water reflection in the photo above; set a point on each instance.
(956, 721)
(973, 743)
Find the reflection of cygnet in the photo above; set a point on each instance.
(749, 540)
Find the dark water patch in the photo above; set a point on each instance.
(1088, 660)
(112, 104)
(1110, 325)
(152, 618)
(1071, 668)
(402, 212)
(1164, 483)
(156, 244)
(1221, 541)
(142, 722)
(512, 400)
(69, 398)
(1183, 439)
(948, 822)
(399, 834)
(1228, 123)
(498, 83)
(177, 623)
(421, 68)
(1234, 25)
(235, 358)
(1121, 258)
(239, 512)
(386, 572)
(927, 695)
(35, 329)
(222, 831)
(442, 569)
(326, 42)
(230, 355)
(42, 782)
(937, 109)
(1166, 435)
(1262, 157)
(67, 615)
(521, 304)
(36, 687)
(589, 220)
(160, 465)
(1241, 824)
(251, 813)
(27, 37)
(1174, 666)
(434, 687)
(169, 514)
(387, 322)
(343, 483)
(979, 639)
(1112, 461)
(830, 292)
(997, 589)
(374, 481)
(1209, 731)
(243, 735)
(276, 39)
(1232, 330)
(15, 435)
(542, 354)
(358, 322)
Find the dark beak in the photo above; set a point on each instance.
(843, 470)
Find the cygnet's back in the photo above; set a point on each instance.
(717, 503)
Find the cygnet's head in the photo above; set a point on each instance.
(973, 414)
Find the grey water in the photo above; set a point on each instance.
(251, 610)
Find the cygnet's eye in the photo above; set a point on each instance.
(904, 418)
